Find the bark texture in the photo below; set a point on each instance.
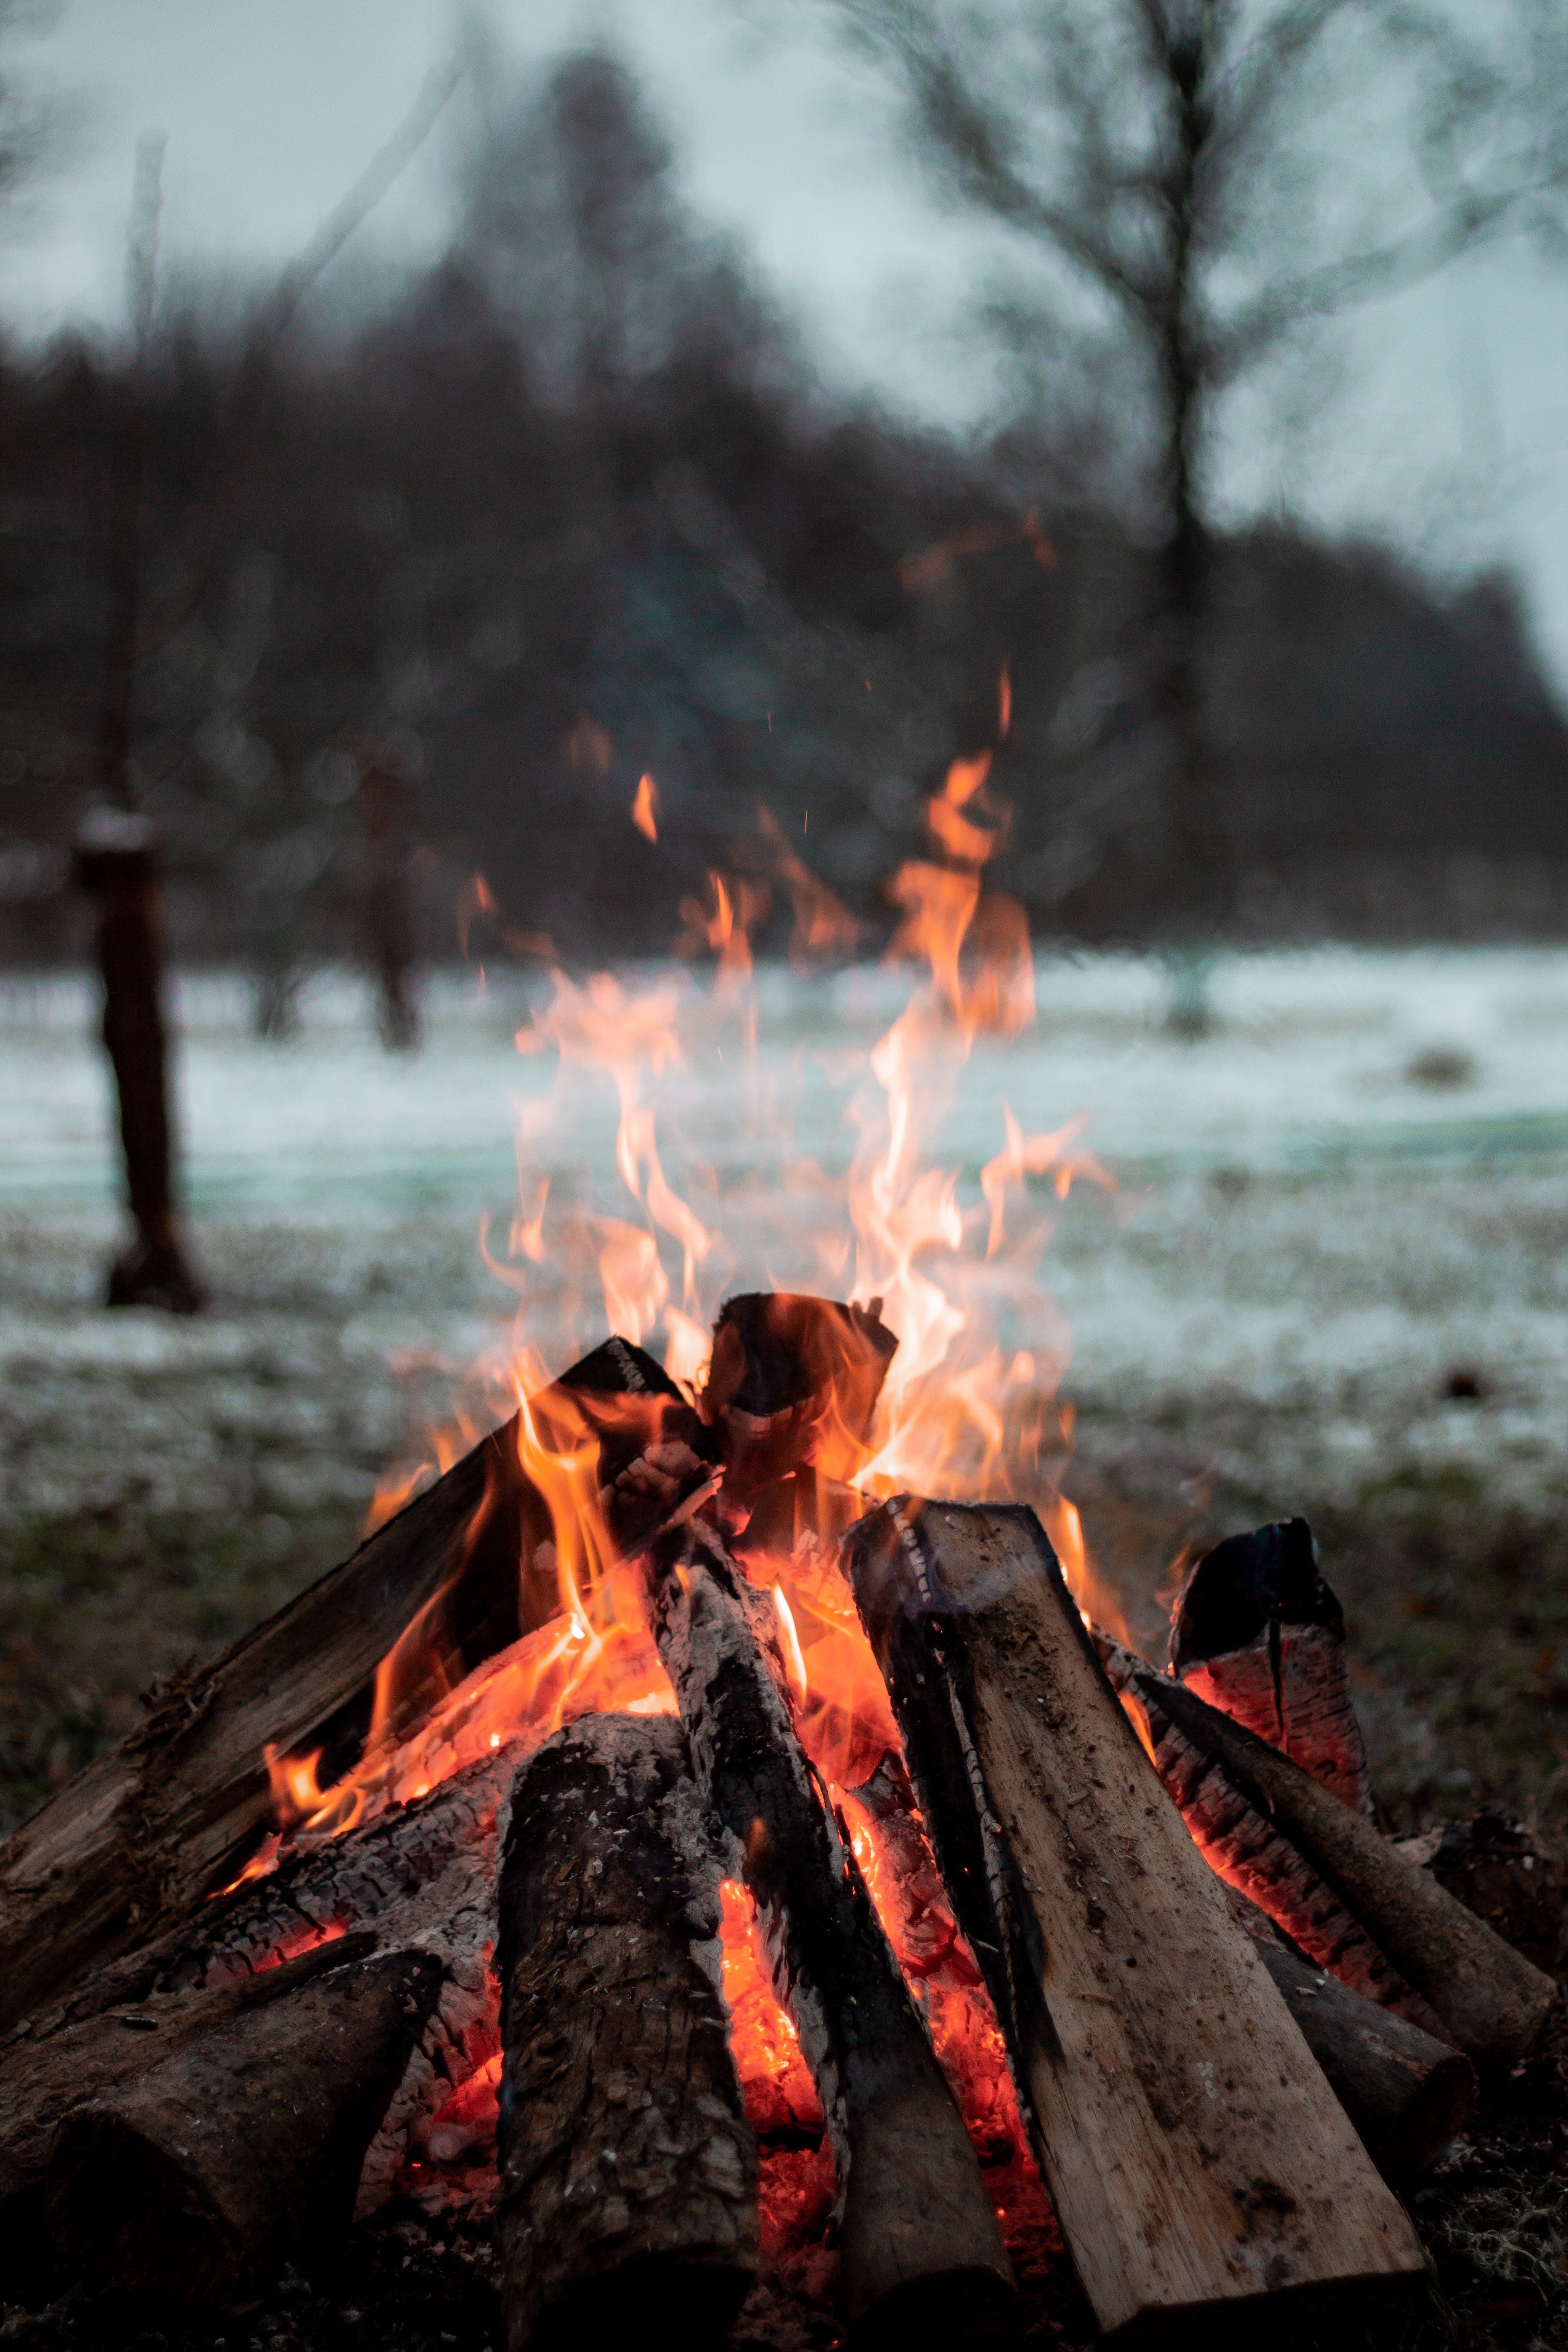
(918, 2233)
(1491, 2000)
(628, 2199)
(197, 2180)
(1198, 2161)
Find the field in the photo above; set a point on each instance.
(1331, 1277)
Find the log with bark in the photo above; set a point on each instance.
(1408, 2095)
(198, 2178)
(1274, 1832)
(156, 1822)
(1257, 1632)
(1197, 2160)
(918, 2238)
(628, 2196)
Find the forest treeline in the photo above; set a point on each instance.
(423, 593)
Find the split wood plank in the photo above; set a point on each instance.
(1196, 2157)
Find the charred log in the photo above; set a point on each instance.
(198, 2178)
(628, 2200)
(1407, 2093)
(1150, 2047)
(918, 2235)
(1252, 1808)
(794, 1381)
(1258, 1634)
(155, 1823)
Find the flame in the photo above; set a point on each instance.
(645, 807)
(958, 1414)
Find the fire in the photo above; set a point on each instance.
(645, 808)
(957, 1413)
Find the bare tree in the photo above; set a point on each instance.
(1204, 178)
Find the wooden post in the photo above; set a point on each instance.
(628, 2194)
(116, 861)
(1197, 2160)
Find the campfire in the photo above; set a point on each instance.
(718, 1830)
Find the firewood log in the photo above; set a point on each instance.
(1407, 2093)
(1258, 1634)
(628, 2197)
(794, 1381)
(918, 2233)
(155, 1823)
(197, 2180)
(1488, 1996)
(1195, 2156)
(39, 2080)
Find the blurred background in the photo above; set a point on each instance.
(419, 427)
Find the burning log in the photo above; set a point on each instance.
(628, 2194)
(1407, 2093)
(918, 2233)
(150, 1827)
(196, 2180)
(1255, 1810)
(794, 1381)
(1195, 2158)
(1258, 1634)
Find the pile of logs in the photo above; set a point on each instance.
(1230, 2021)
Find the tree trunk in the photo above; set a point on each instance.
(116, 863)
(1196, 2160)
(388, 918)
(628, 2200)
(918, 2235)
(197, 2180)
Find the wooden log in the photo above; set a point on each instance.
(628, 2196)
(197, 2180)
(918, 2238)
(1408, 2095)
(157, 1821)
(1197, 2160)
(794, 1381)
(38, 2082)
(1258, 1634)
(1234, 1830)
(1488, 1996)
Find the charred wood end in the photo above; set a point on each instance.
(915, 2213)
(628, 2170)
(1257, 1632)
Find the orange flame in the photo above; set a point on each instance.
(645, 807)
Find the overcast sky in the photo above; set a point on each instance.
(1448, 426)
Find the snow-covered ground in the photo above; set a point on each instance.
(1355, 1188)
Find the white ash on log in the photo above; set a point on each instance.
(153, 1825)
(419, 1881)
(1488, 1996)
(1408, 2095)
(919, 2239)
(1258, 1634)
(197, 2180)
(628, 2189)
(1196, 2158)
